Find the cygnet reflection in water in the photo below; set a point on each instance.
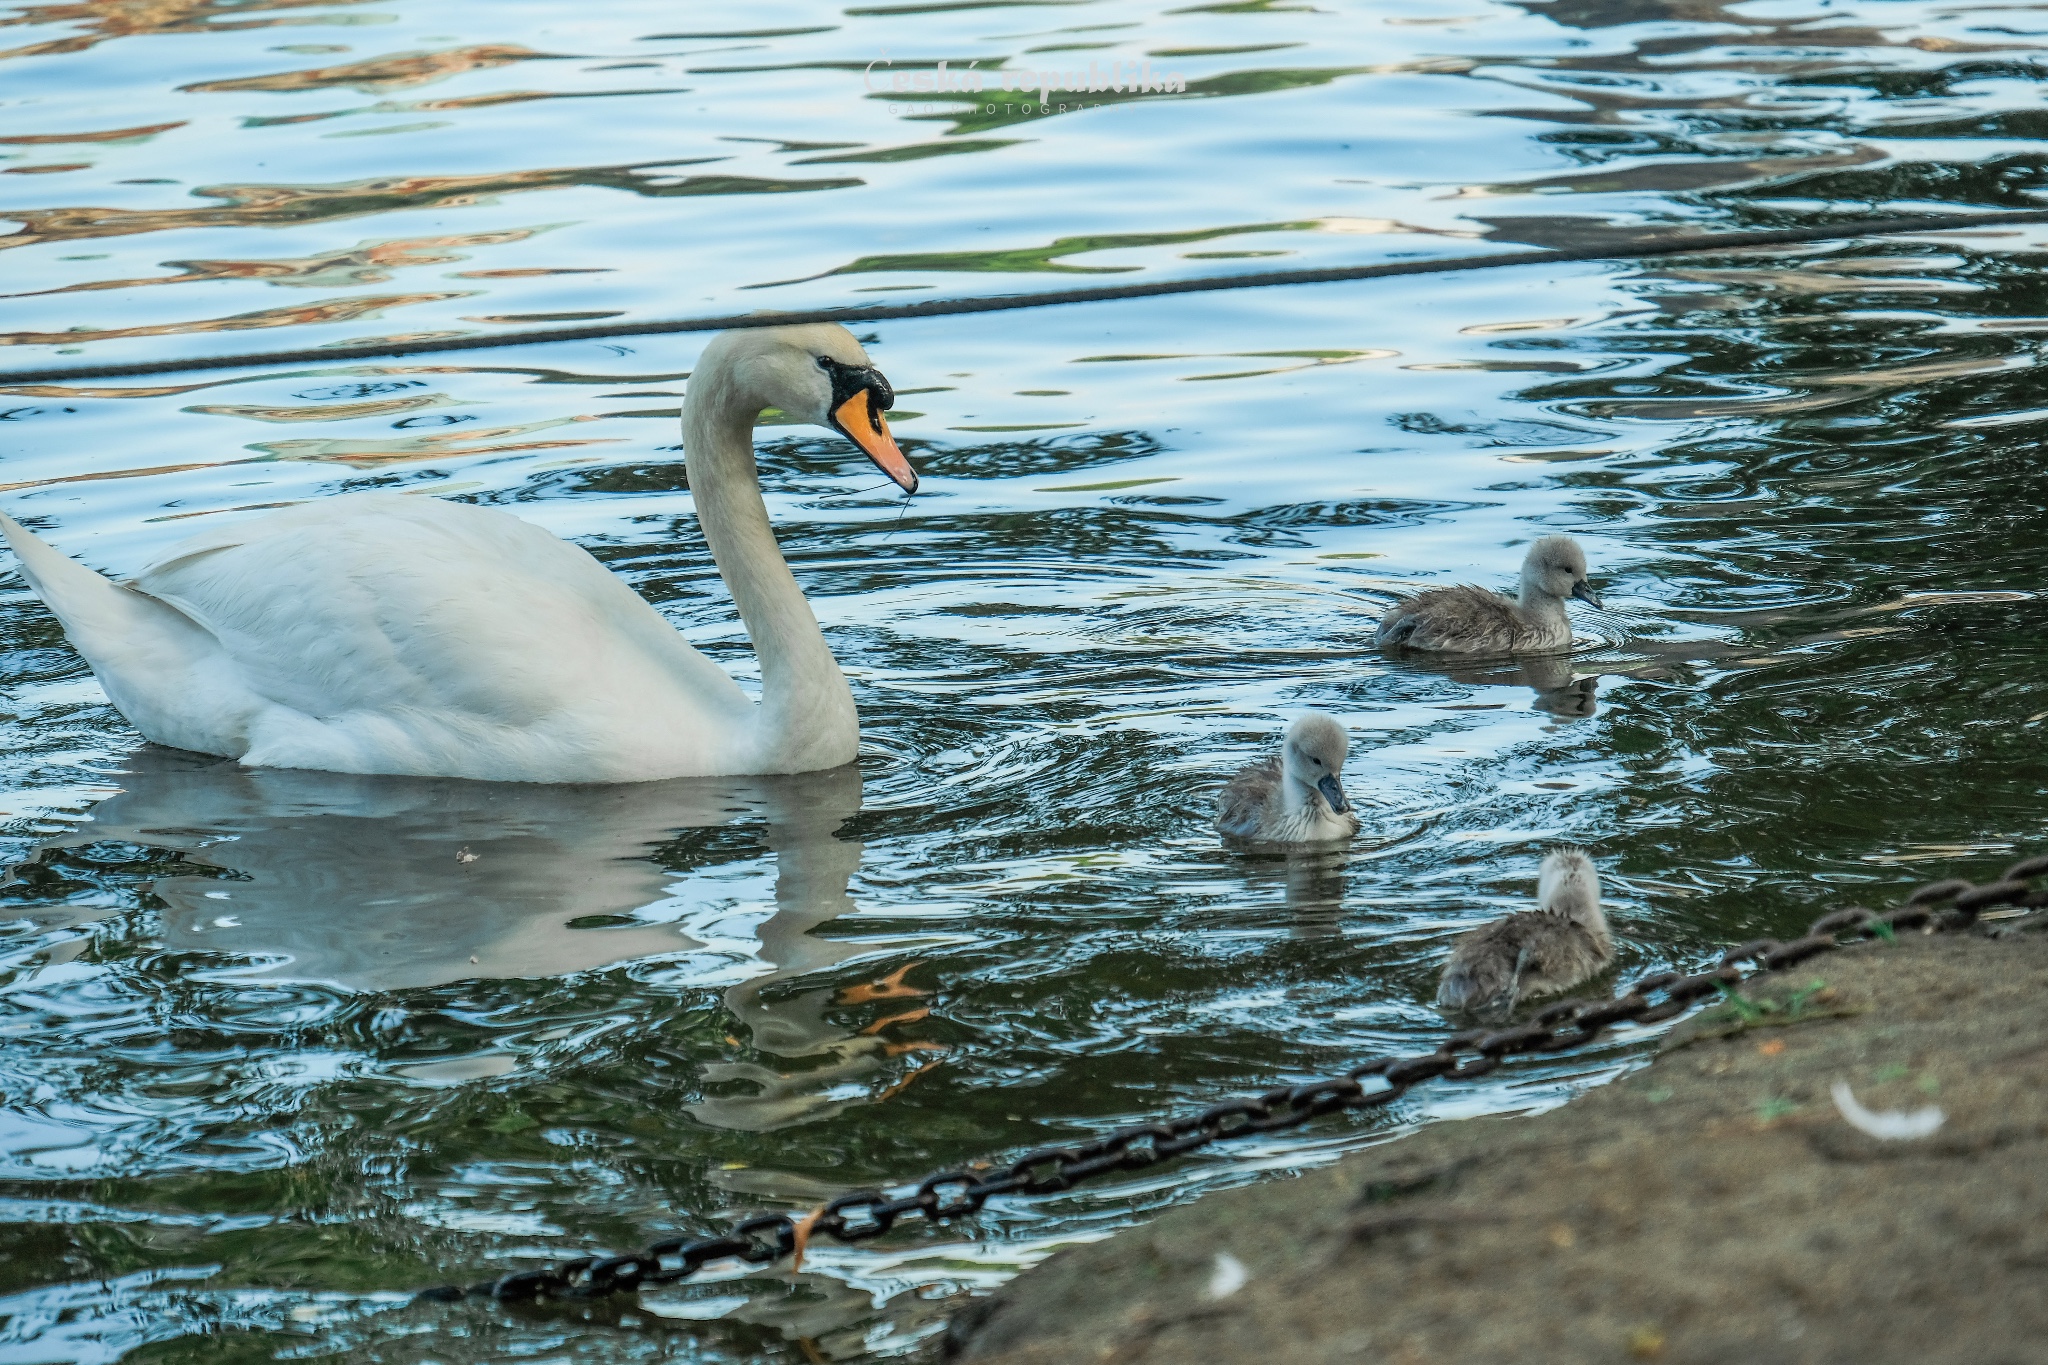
(1310, 879)
(1560, 690)
(1297, 795)
(1468, 620)
(755, 1096)
(1562, 942)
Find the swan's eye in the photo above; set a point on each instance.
(823, 363)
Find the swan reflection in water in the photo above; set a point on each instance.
(392, 883)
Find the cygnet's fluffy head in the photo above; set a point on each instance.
(1313, 754)
(1568, 885)
(1556, 567)
(816, 373)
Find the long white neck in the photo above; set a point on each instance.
(806, 720)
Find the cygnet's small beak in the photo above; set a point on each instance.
(1333, 792)
(1584, 592)
(860, 421)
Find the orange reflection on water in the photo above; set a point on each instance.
(364, 263)
(484, 101)
(107, 19)
(121, 474)
(446, 103)
(81, 391)
(537, 375)
(326, 412)
(368, 454)
(271, 205)
(385, 73)
(111, 135)
(327, 310)
(356, 454)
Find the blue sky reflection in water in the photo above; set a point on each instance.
(279, 1047)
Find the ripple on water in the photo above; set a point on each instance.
(276, 1048)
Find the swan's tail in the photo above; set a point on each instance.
(100, 616)
(149, 656)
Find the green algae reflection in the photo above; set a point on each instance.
(986, 110)
(1047, 259)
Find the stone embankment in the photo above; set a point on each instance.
(1714, 1206)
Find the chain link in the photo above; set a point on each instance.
(961, 1192)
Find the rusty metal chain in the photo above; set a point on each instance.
(961, 1192)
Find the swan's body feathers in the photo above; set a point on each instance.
(386, 633)
(1463, 619)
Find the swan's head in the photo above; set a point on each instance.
(816, 373)
(1312, 753)
(1556, 567)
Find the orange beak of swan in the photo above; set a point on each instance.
(860, 421)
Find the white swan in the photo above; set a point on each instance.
(386, 633)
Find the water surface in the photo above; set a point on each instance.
(282, 1047)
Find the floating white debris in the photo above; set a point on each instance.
(1893, 1125)
(1230, 1276)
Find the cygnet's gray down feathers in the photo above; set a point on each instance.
(1297, 795)
(1468, 620)
(1553, 948)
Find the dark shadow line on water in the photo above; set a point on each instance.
(1683, 245)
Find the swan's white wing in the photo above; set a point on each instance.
(413, 635)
